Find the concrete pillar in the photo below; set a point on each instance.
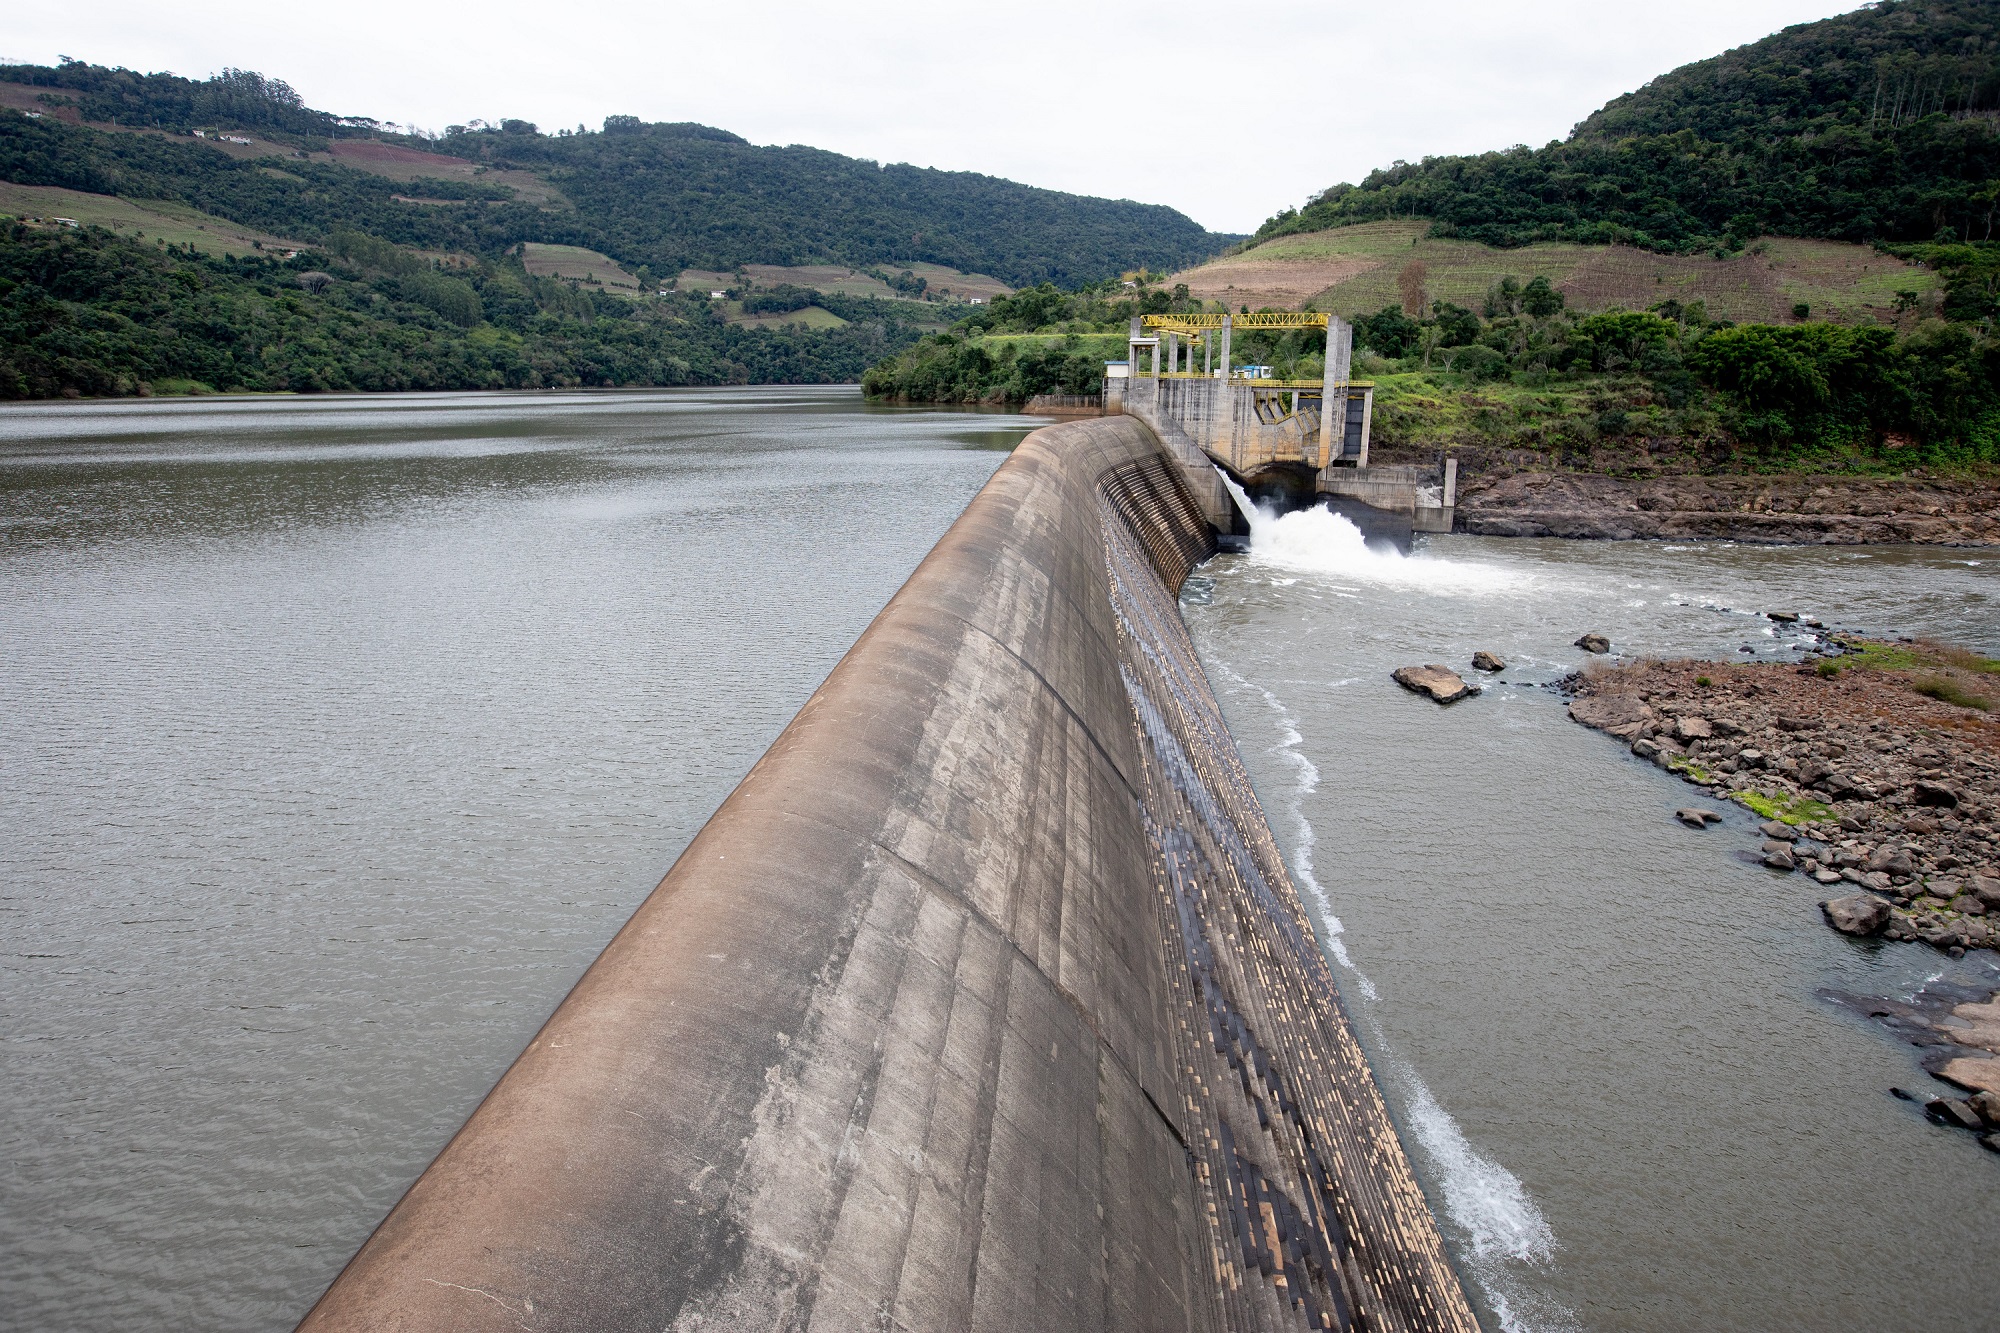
(1332, 406)
(1333, 390)
(1225, 348)
(1207, 352)
(1450, 482)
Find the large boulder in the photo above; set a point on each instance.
(1862, 914)
(1987, 888)
(1935, 794)
(1594, 643)
(1485, 661)
(1973, 1073)
(1693, 729)
(1619, 714)
(1892, 861)
(1439, 682)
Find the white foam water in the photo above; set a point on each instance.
(1499, 1223)
(1319, 541)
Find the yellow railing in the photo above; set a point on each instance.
(1263, 319)
(1241, 381)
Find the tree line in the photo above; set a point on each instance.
(660, 196)
(84, 312)
(1879, 125)
(1811, 394)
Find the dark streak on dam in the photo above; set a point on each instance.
(984, 1002)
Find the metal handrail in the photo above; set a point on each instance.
(1253, 383)
(1263, 319)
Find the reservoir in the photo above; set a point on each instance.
(338, 736)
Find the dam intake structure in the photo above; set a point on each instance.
(984, 1002)
(1301, 442)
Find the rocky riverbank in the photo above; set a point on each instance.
(1877, 772)
(1811, 510)
(1958, 1031)
(1887, 796)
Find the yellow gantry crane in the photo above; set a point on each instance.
(1320, 421)
(1264, 319)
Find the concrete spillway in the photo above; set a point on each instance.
(985, 1002)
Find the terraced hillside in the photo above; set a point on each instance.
(656, 198)
(1358, 270)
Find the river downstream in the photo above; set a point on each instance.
(338, 736)
(1600, 1028)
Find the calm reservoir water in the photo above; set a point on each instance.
(337, 736)
(1600, 1028)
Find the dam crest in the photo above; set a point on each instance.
(984, 1002)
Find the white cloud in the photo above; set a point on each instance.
(1226, 112)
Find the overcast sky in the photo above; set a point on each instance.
(1226, 111)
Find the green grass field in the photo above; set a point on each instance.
(837, 280)
(811, 317)
(573, 263)
(151, 220)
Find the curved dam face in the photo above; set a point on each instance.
(985, 1002)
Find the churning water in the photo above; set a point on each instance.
(336, 738)
(1600, 1028)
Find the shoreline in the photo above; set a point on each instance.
(1877, 773)
(1779, 509)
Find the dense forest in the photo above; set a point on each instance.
(83, 312)
(659, 196)
(1879, 125)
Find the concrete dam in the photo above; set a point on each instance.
(984, 1002)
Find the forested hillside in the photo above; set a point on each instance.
(83, 312)
(1879, 125)
(658, 196)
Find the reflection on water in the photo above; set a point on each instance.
(1599, 1027)
(337, 737)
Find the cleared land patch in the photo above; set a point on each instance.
(408, 164)
(811, 317)
(26, 97)
(832, 279)
(1355, 270)
(573, 263)
(154, 219)
(393, 161)
(950, 282)
(839, 280)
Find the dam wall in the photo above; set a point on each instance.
(984, 1002)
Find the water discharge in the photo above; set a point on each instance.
(1316, 540)
(1586, 1016)
(1499, 1225)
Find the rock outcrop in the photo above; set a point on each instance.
(1862, 781)
(1439, 682)
(1856, 914)
(1793, 510)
